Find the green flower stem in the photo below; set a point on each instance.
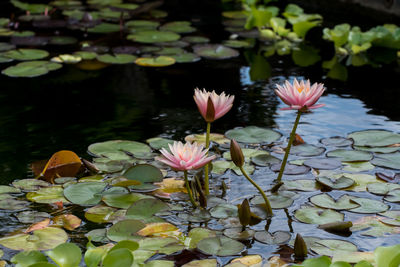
(189, 190)
(292, 135)
(206, 182)
(267, 204)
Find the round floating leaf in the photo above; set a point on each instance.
(13, 204)
(367, 205)
(118, 257)
(358, 166)
(116, 148)
(247, 153)
(186, 58)
(265, 160)
(102, 214)
(197, 234)
(31, 216)
(123, 201)
(28, 258)
(144, 173)
(47, 195)
(85, 194)
(157, 228)
(253, 134)
(317, 215)
(326, 201)
(125, 230)
(67, 221)
(323, 164)
(63, 40)
(68, 59)
(393, 196)
(391, 161)
(336, 141)
(105, 28)
(373, 138)
(381, 188)
(222, 211)
(43, 239)
(8, 189)
(30, 184)
(178, 27)
(307, 150)
(159, 142)
(198, 215)
(162, 245)
(291, 169)
(329, 247)
(201, 138)
(86, 55)
(202, 263)
(340, 183)
(237, 44)
(196, 39)
(66, 255)
(239, 234)
(26, 54)
(31, 69)
(350, 155)
(160, 61)
(153, 36)
(220, 246)
(215, 51)
(276, 238)
(98, 235)
(278, 201)
(301, 185)
(147, 24)
(379, 149)
(117, 58)
(146, 208)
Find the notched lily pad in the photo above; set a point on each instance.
(153, 36)
(160, 61)
(317, 215)
(31, 69)
(239, 234)
(215, 51)
(291, 169)
(340, 183)
(117, 58)
(323, 164)
(337, 141)
(375, 138)
(307, 150)
(220, 246)
(276, 238)
(367, 205)
(350, 155)
(391, 161)
(326, 201)
(253, 135)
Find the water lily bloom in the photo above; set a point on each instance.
(184, 157)
(300, 96)
(214, 109)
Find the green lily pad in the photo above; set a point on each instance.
(196, 39)
(291, 169)
(253, 134)
(145, 208)
(326, 201)
(350, 155)
(26, 54)
(336, 141)
(220, 167)
(307, 150)
(31, 216)
(13, 204)
(118, 148)
(387, 256)
(239, 234)
(28, 258)
(143, 24)
(103, 214)
(283, 199)
(98, 235)
(197, 234)
(125, 230)
(301, 185)
(323, 164)
(381, 188)
(358, 166)
(375, 138)
(220, 246)
(317, 215)
(329, 247)
(86, 55)
(367, 205)
(186, 58)
(178, 27)
(196, 216)
(160, 61)
(215, 51)
(144, 173)
(8, 189)
(372, 226)
(30, 184)
(118, 257)
(31, 69)
(391, 161)
(117, 58)
(63, 40)
(379, 149)
(340, 183)
(123, 200)
(237, 44)
(66, 255)
(43, 239)
(6, 46)
(105, 27)
(153, 36)
(222, 211)
(247, 153)
(47, 195)
(159, 142)
(276, 238)
(85, 194)
(265, 160)
(162, 245)
(393, 196)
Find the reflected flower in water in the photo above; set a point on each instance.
(221, 104)
(300, 96)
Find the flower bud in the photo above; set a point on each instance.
(236, 154)
(210, 113)
(244, 213)
(300, 248)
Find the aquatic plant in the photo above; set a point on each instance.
(301, 97)
(212, 106)
(185, 157)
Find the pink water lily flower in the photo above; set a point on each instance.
(300, 96)
(221, 104)
(184, 157)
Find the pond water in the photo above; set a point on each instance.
(72, 109)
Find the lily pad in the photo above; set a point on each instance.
(220, 246)
(160, 61)
(31, 69)
(66, 255)
(31, 216)
(317, 215)
(198, 215)
(185, 58)
(276, 238)
(144, 173)
(26, 54)
(28, 258)
(202, 263)
(8, 189)
(253, 134)
(237, 44)
(222, 211)
(117, 58)
(340, 183)
(247, 153)
(291, 169)
(63, 40)
(146, 208)
(265, 160)
(30, 184)
(358, 166)
(239, 234)
(367, 205)
(117, 148)
(350, 155)
(43, 239)
(125, 230)
(197, 234)
(123, 200)
(326, 201)
(375, 138)
(301, 185)
(201, 138)
(13, 204)
(372, 226)
(153, 36)
(196, 39)
(102, 214)
(278, 201)
(379, 149)
(47, 195)
(329, 247)
(391, 161)
(85, 194)
(336, 141)
(221, 166)
(105, 27)
(381, 188)
(215, 51)
(178, 27)
(307, 150)
(323, 164)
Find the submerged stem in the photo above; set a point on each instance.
(206, 182)
(267, 204)
(189, 190)
(292, 135)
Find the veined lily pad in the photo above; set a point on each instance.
(224, 211)
(220, 246)
(201, 138)
(117, 148)
(307, 150)
(393, 196)
(197, 234)
(350, 155)
(278, 237)
(367, 205)
(317, 216)
(125, 230)
(253, 134)
(323, 164)
(26, 54)
(31, 69)
(340, 183)
(283, 199)
(381, 188)
(13, 204)
(30, 216)
(329, 247)
(123, 200)
(28, 258)
(117, 58)
(43, 239)
(391, 161)
(88, 193)
(103, 214)
(301, 185)
(30, 184)
(336, 141)
(146, 208)
(160, 61)
(265, 160)
(178, 27)
(159, 142)
(291, 169)
(239, 234)
(144, 173)
(215, 51)
(326, 201)
(154, 36)
(165, 245)
(47, 195)
(375, 138)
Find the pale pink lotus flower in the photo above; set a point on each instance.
(300, 96)
(222, 103)
(184, 157)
